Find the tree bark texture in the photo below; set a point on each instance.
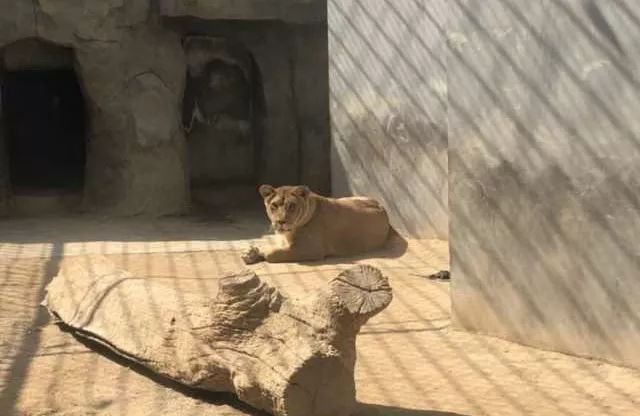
(292, 357)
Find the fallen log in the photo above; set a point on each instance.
(292, 357)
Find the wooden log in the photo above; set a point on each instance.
(291, 357)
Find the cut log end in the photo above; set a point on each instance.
(363, 290)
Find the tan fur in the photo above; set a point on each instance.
(315, 227)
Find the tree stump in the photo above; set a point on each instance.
(292, 357)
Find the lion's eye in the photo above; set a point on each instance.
(274, 206)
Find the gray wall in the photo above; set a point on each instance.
(388, 108)
(540, 100)
(544, 105)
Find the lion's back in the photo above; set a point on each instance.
(353, 225)
(362, 203)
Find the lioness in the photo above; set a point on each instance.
(314, 227)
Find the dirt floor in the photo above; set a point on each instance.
(410, 362)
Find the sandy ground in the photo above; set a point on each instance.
(410, 361)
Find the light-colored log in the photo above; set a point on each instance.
(291, 357)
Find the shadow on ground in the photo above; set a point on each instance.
(31, 342)
(219, 399)
(395, 248)
(379, 410)
(199, 225)
(213, 398)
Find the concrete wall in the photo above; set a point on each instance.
(544, 166)
(539, 101)
(388, 108)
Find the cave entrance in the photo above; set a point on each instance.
(223, 115)
(44, 118)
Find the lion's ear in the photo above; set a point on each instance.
(302, 191)
(266, 191)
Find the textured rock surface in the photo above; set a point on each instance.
(311, 84)
(280, 160)
(291, 108)
(132, 75)
(132, 69)
(137, 155)
(299, 11)
(17, 21)
(31, 53)
(4, 174)
(288, 357)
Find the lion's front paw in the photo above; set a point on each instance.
(252, 256)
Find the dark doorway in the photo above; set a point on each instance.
(223, 110)
(45, 120)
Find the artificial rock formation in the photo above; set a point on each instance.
(132, 74)
(291, 357)
(131, 64)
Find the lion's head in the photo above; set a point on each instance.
(288, 207)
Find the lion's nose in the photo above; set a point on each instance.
(280, 223)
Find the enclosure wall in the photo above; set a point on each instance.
(388, 108)
(544, 173)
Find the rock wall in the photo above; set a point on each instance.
(131, 64)
(388, 108)
(137, 155)
(292, 142)
(311, 86)
(219, 112)
(132, 75)
(4, 173)
(291, 11)
(32, 53)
